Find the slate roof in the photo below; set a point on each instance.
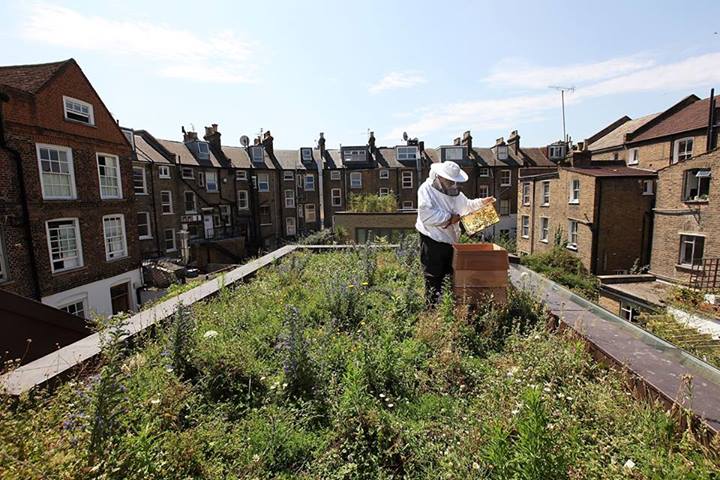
(30, 78)
(692, 117)
(537, 157)
(185, 157)
(616, 138)
(240, 158)
(147, 153)
(612, 171)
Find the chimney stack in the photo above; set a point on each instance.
(371, 142)
(467, 140)
(267, 142)
(189, 137)
(212, 136)
(321, 144)
(514, 141)
(457, 141)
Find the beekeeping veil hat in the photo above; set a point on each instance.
(448, 170)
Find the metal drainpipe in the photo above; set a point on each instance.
(322, 194)
(24, 203)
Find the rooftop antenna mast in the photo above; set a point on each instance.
(562, 99)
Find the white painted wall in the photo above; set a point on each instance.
(96, 295)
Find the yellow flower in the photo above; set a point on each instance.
(364, 284)
(351, 286)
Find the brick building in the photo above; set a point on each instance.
(609, 143)
(603, 214)
(687, 217)
(67, 171)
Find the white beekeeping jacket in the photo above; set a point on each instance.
(435, 209)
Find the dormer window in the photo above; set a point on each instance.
(557, 152)
(130, 135)
(502, 152)
(355, 155)
(78, 111)
(454, 154)
(257, 155)
(407, 153)
(306, 154)
(203, 150)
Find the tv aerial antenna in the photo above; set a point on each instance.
(244, 141)
(562, 91)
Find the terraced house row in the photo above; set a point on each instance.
(85, 201)
(640, 195)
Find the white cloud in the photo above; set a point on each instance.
(516, 73)
(222, 57)
(503, 113)
(395, 80)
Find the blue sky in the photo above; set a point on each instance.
(433, 69)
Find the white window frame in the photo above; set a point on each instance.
(164, 204)
(684, 244)
(483, 191)
(336, 197)
(185, 202)
(407, 179)
(100, 176)
(4, 273)
(526, 193)
(165, 240)
(183, 172)
(335, 175)
(451, 154)
(685, 154)
(288, 175)
(310, 208)
(633, 156)
(545, 193)
(240, 175)
(384, 174)
(263, 182)
(216, 181)
(691, 175)
(648, 187)
(407, 153)
(149, 230)
(505, 182)
(574, 198)
(243, 197)
(72, 303)
(525, 226)
(256, 154)
(544, 229)
(290, 227)
(483, 171)
(225, 213)
(355, 180)
(502, 152)
(556, 152)
(204, 152)
(91, 110)
(123, 253)
(71, 171)
(201, 179)
(383, 191)
(306, 155)
(144, 181)
(573, 234)
(504, 211)
(78, 242)
(164, 171)
(289, 198)
(407, 205)
(309, 184)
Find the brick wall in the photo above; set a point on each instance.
(673, 216)
(40, 119)
(657, 153)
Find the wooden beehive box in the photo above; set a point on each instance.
(480, 272)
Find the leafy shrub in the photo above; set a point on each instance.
(373, 203)
(561, 266)
(686, 297)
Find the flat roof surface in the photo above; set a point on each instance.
(654, 292)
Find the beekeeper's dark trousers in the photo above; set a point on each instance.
(436, 258)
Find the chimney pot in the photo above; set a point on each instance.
(457, 141)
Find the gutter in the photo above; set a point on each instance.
(24, 200)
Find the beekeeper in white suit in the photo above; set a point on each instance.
(440, 206)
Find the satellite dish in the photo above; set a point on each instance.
(244, 141)
(405, 136)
